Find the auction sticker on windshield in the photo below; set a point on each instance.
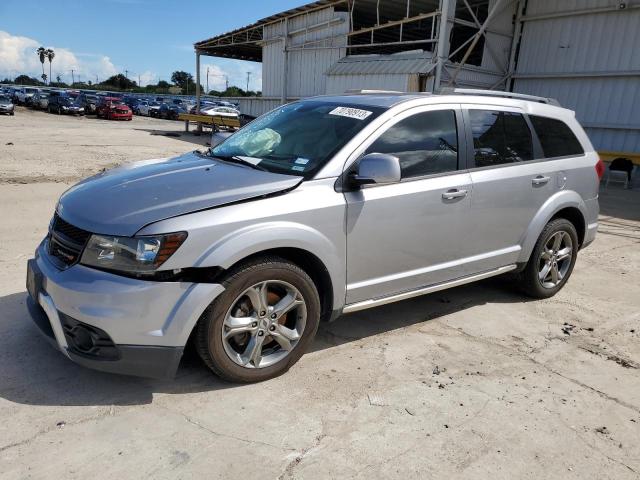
(350, 112)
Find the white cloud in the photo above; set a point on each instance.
(147, 78)
(18, 56)
(233, 70)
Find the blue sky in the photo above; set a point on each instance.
(149, 38)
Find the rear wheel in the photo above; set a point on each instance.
(261, 324)
(552, 260)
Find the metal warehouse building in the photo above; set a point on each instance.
(585, 53)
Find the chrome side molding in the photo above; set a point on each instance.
(376, 302)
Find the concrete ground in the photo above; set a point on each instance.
(474, 382)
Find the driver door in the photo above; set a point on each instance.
(414, 233)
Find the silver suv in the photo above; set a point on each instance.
(320, 207)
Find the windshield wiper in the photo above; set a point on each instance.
(240, 161)
(281, 156)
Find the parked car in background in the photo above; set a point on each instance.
(131, 102)
(113, 108)
(40, 100)
(170, 111)
(142, 108)
(65, 105)
(154, 109)
(221, 111)
(31, 101)
(6, 105)
(89, 102)
(141, 105)
(24, 93)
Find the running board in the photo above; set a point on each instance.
(376, 302)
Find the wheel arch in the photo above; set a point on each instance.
(312, 266)
(565, 204)
(306, 247)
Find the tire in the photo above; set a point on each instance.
(530, 279)
(301, 321)
(12, 113)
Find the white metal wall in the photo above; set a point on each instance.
(402, 82)
(590, 62)
(305, 68)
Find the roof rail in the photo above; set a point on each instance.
(497, 93)
(359, 91)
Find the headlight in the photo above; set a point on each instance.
(65, 108)
(143, 255)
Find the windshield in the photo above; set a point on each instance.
(299, 138)
(4, 99)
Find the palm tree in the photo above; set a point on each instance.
(50, 54)
(42, 53)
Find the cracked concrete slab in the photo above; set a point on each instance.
(512, 396)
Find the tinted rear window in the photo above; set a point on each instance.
(500, 137)
(556, 137)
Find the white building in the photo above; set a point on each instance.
(585, 53)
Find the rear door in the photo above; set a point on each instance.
(510, 182)
(412, 233)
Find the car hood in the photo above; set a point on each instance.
(123, 200)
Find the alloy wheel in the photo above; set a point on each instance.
(264, 324)
(555, 259)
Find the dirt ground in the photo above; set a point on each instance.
(474, 382)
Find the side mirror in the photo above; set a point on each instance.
(376, 168)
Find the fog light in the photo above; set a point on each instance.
(82, 339)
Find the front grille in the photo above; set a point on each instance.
(66, 241)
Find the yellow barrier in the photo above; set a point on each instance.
(607, 156)
(213, 120)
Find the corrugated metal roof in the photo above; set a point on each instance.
(273, 18)
(382, 64)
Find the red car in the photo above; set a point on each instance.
(113, 108)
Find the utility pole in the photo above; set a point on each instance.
(248, 75)
(207, 92)
(73, 78)
(126, 74)
(138, 79)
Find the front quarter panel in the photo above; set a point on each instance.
(310, 218)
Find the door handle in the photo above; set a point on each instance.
(454, 193)
(540, 180)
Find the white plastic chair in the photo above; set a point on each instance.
(616, 176)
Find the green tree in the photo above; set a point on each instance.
(27, 80)
(42, 53)
(50, 54)
(119, 82)
(184, 80)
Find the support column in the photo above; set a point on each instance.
(443, 42)
(197, 81)
(514, 45)
(285, 60)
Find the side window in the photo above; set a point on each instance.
(426, 143)
(556, 137)
(500, 137)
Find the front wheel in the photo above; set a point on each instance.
(552, 260)
(261, 324)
